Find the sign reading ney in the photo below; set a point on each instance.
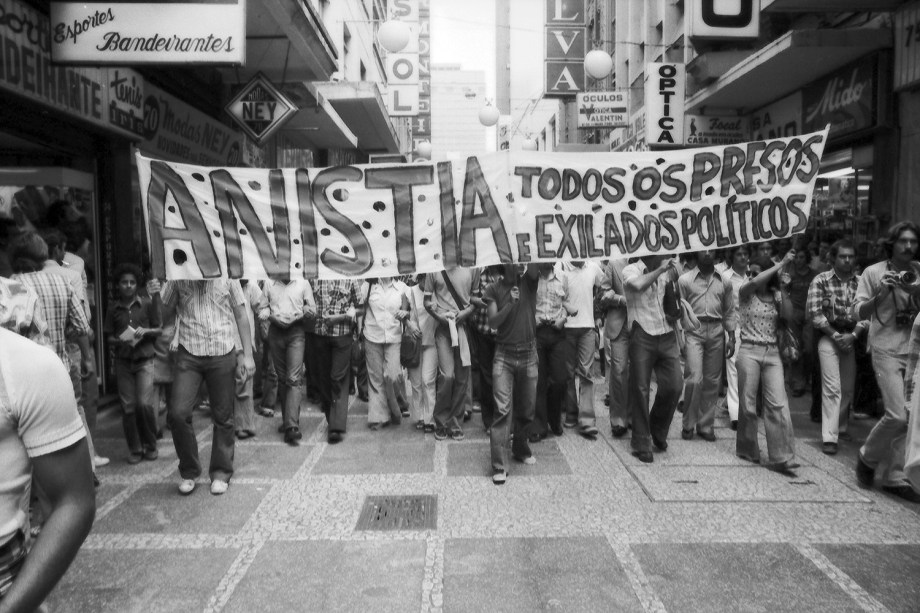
(135, 32)
(384, 220)
(260, 109)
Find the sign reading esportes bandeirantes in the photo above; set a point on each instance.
(390, 219)
(135, 32)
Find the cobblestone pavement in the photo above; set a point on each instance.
(588, 528)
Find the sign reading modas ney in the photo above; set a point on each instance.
(135, 32)
(384, 220)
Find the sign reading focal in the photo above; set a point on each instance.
(260, 109)
(128, 31)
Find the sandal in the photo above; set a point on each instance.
(266, 412)
(429, 428)
(420, 425)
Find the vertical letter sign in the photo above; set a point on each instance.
(665, 85)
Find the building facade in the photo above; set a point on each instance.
(457, 96)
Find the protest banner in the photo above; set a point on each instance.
(392, 219)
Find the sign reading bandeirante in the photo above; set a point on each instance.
(128, 31)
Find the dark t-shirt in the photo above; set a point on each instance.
(798, 287)
(520, 325)
(141, 313)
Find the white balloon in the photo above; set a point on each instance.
(393, 35)
(598, 64)
(423, 150)
(488, 115)
(529, 144)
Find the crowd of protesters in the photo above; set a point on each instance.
(527, 343)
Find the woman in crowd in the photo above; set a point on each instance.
(424, 376)
(386, 310)
(760, 371)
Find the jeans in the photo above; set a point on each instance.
(618, 375)
(553, 357)
(760, 371)
(705, 353)
(580, 400)
(454, 395)
(136, 394)
(287, 348)
(382, 378)
(218, 373)
(484, 347)
(661, 355)
(838, 380)
(423, 379)
(887, 440)
(514, 380)
(330, 365)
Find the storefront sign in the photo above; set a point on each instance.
(402, 69)
(128, 31)
(701, 130)
(602, 109)
(126, 99)
(907, 46)
(633, 137)
(377, 220)
(665, 87)
(26, 69)
(422, 120)
(779, 119)
(174, 130)
(565, 37)
(724, 20)
(845, 99)
(260, 109)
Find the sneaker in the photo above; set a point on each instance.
(457, 435)
(499, 477)
(186, 486)
(100, 461)
(529, 460)
(218, 487)
(440, 434)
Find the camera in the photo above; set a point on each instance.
(906, 277)
(904, 318)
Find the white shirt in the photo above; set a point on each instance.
(287, 300)
(645, 308)
(580, 283)
(384, 300)
(38, 416)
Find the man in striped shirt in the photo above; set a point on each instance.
(211, 323)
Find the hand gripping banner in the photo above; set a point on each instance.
(381, 220)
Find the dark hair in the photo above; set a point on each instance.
(54, 238)
(843, 243)
(56, 213)
(765, 265)
(128, 268)
(731, 251)
(894, 233)
(28, 252)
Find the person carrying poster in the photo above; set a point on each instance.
(612, 302)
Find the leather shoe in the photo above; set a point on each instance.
(334, 437)
(829, 448)
(904, 492)
(589, 432)
(644, 456)
(292, 435)
(557, 429)
(659, 443)
(865, 474)
(784, 468)
(687, 435)
(618, 431)
(707, 436)
(733, 426)
(845, 436)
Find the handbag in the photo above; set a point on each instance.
(670, 303)
(787, 343)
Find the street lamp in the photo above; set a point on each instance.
(393, 35)
(488, 115)
(529, 144)
(598, 64)
(423, 150)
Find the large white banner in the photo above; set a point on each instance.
(384, 220)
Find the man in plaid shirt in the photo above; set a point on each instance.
(329, 349)
(830, 300)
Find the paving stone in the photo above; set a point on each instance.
(696, 452)
(158, 508)
(743, 483)
(333, 576)
(530, 574)
(141, 580)
(718, 577)
(887, 572)
(473, 459)
(261, 461)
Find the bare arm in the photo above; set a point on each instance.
(66, 477)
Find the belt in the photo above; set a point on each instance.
(516, 346)
(710, 320)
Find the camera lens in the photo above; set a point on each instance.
(908, 277)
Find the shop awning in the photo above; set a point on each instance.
(360, 104)
(786, 65)
(316, 123)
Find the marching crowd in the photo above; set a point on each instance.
(667, 334)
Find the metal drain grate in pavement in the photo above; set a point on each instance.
(399, 513)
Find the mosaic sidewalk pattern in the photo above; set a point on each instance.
(587, 528)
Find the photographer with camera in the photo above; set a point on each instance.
(887, 295)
